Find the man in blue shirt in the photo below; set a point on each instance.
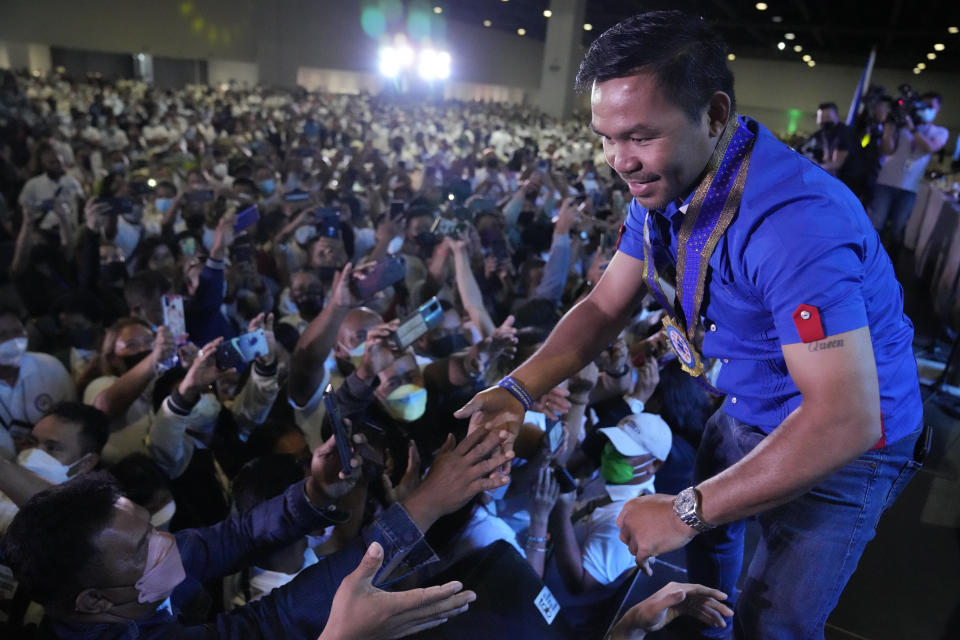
(768, 264)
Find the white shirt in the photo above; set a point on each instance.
(605, 556)
(42, 382)
(40, 188)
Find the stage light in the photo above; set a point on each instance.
(547, 13)
(487, 23)
(438, 10)
(450, 196)
(781, 45)
(731, 57)
(939, 47)
(588, 27)
(797, 48)
(789, 36)
(152, 182)
(521, 31)
(434, 65)
(389, 62)
(931, 56)
(761, 6)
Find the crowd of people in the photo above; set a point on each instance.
(152, 488)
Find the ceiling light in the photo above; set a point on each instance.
(921, 65)
(487, 23)
(789, 36)
(953, 30)
(777, 19)
(811, 64)
(931, 56)
(938, 47)
(438, 9)
(731, 57)
(761, 6)
(588, 27)
(807, 57)
(781, 45)
(916, 71)
(797, 48)
(521, 31)
(547, 13)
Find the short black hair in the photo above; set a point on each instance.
(264, 478)
(931, 95)
(94, 424)
(687, 56)
(140, 478)
(50, 543)
(823, 106)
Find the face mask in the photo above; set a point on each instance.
(267, 186)
(55, 175)
(927, 115)
(11, 352)
(443, 347)
(326, 273)
(309, 306)
(163, 204)
(426, 240)
(614, 467)
(131, 361)
(356, 355)
(163, 570)
(44, 465)
(406, 403)
(194, 222)
(161, 519)
(220, 170)
(112, 272)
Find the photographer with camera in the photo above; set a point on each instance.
(907, 148)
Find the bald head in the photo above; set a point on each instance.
(353, 330)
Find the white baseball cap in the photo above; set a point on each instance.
(640, 434)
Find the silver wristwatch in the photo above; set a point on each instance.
(687, 506)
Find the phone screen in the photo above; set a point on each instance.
(173, 317)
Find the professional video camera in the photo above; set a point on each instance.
(908, 103)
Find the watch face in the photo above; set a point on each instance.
(686, 502)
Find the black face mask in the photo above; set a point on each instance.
(426, 239)
(55, 175)
(309, 306)
(326, 273)
(447, 345)
(131, 361)
(194, 221)
(113, 272)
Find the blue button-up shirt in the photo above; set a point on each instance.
(800, 237)
(299, 609)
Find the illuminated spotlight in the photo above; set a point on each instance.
(487, 23)
(588, 27)
(761, 6)
(916, 71)
(797, 48)
(450, 196)
(921, 65)
(547, 13)
(811, 64)
(389, 63)
(152, 182)
(931, 56)
(777, 19)
(953, 29)
(438, 9)
(731, 57)
(789, 36)
(434, 65)
(807, 57)
(938, 47)
(781, 45)
(521, 31)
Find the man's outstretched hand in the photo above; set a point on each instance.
(670, 602)
(360, 611)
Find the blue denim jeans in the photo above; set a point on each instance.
(893, 205)
(809, 546)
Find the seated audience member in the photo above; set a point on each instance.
(66, 442)
(91, 557)
(30, 384)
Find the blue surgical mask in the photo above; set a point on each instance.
(406, 403)
(163, 204)
(267, 186)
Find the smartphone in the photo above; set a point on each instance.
(174, 318)
(117, 205)
(200, 195)
(246, 218)
(554, 434)
(397, 208)
(428, 316)
(296, 195)
(384, 273)
(339, 428)
(564, 478)
(448, 227)
(328, 222)
(233, 354)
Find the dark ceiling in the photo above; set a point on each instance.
(831, 31)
